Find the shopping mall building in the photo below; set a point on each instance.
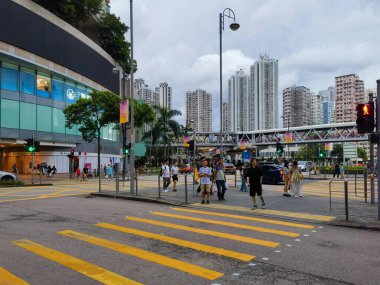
(46, 64)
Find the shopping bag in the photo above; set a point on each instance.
(214, 189)
(226, 185)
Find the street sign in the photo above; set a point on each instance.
(246, 156)
(350, 151)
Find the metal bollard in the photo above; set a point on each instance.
(137, 187)
(365, 186)
(159, 186)
(186, 187)
(235, 179)
(356, 194)
(346, 198)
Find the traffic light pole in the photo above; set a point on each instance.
(33, 152)
(378, 147)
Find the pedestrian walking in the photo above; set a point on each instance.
(254, 178)
(49, 171)
(174, 173)
(205, 174)
(109, 173)
(220, 178)
(286, 178)
(296, 177)
(243, 170)
(77, 172)
(336, 170)
(341, 170)
(165, 170)
(85, 173)
(14, 169)
(53, 170)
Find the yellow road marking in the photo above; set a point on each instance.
(180, 242)
(206, 232)
(303, 226)
(269, 212)
(7, 278)
(228, 224)
(95, 272)
(146, 255)
(38, 198)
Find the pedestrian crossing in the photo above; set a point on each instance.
(192, 221)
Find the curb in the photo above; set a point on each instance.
(26, 185)
(354, 225)
(134, 198)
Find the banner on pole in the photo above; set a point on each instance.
(288, 137)
(124, 115)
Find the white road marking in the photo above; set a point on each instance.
(265, 258)
(252, 264)
(297, 239)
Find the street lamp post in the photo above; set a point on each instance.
(234, 26)
(132, 151)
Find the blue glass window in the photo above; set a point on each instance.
(43, 86)
(58, 90)
(28, 82)
(81, 92)
(70, 92)
(9, 79)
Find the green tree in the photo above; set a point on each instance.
(337, 151)
(101, 109)
(111, 39)
(307, 152)
(362, 154)
(164, 127)
(144, 114)
(72, 11)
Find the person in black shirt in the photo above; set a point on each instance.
(254, 177)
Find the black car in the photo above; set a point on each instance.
(272, 174)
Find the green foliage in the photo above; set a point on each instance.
(308, 151)
(337, 151)
(72, 11)
(362, 154)
(94, 113)
(111, 39)
(144, 114)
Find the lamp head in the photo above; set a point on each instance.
(234, 26)
(115, 70)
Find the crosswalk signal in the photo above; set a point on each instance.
(127, 149)
(365, 117)
(29, 146)
(279, 149)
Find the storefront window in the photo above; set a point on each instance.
(28, 116)
(43, 86)
(44, 118)
(58, 89)
(9, 77)
(28, 82)
(70, 92)
(10, 114)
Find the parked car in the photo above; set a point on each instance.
(305, 165)
(229, 168)
(186, 168)
(7, 176)
(272, 174)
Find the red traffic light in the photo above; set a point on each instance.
(364, 110)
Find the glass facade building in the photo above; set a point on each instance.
(41, 73)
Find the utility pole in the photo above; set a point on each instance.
(378, 144)
(371, 161)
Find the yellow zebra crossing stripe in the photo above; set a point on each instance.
(146, 255)
(206, 232)
(274, 222)
(95, 272)
(7, 278)
(228, 224)
(180, 242)
(305, 216)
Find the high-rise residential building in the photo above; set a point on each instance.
(328, 112)
(144, 92)
(316, 109)
(239, 102)
(349, 92)
(296, 106)
(369, 91)
(199, 110)
(328, 95)
(164, 98)
(226, 117)
(263, 104)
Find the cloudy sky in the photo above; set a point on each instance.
(177, 41)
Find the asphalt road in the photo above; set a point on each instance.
(38, 235)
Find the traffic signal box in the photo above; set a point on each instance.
(279, 149)
(365, 117)
(127, 149)
(32, 145)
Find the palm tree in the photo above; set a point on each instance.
(165, 127)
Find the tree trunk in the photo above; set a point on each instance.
(100, 182)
